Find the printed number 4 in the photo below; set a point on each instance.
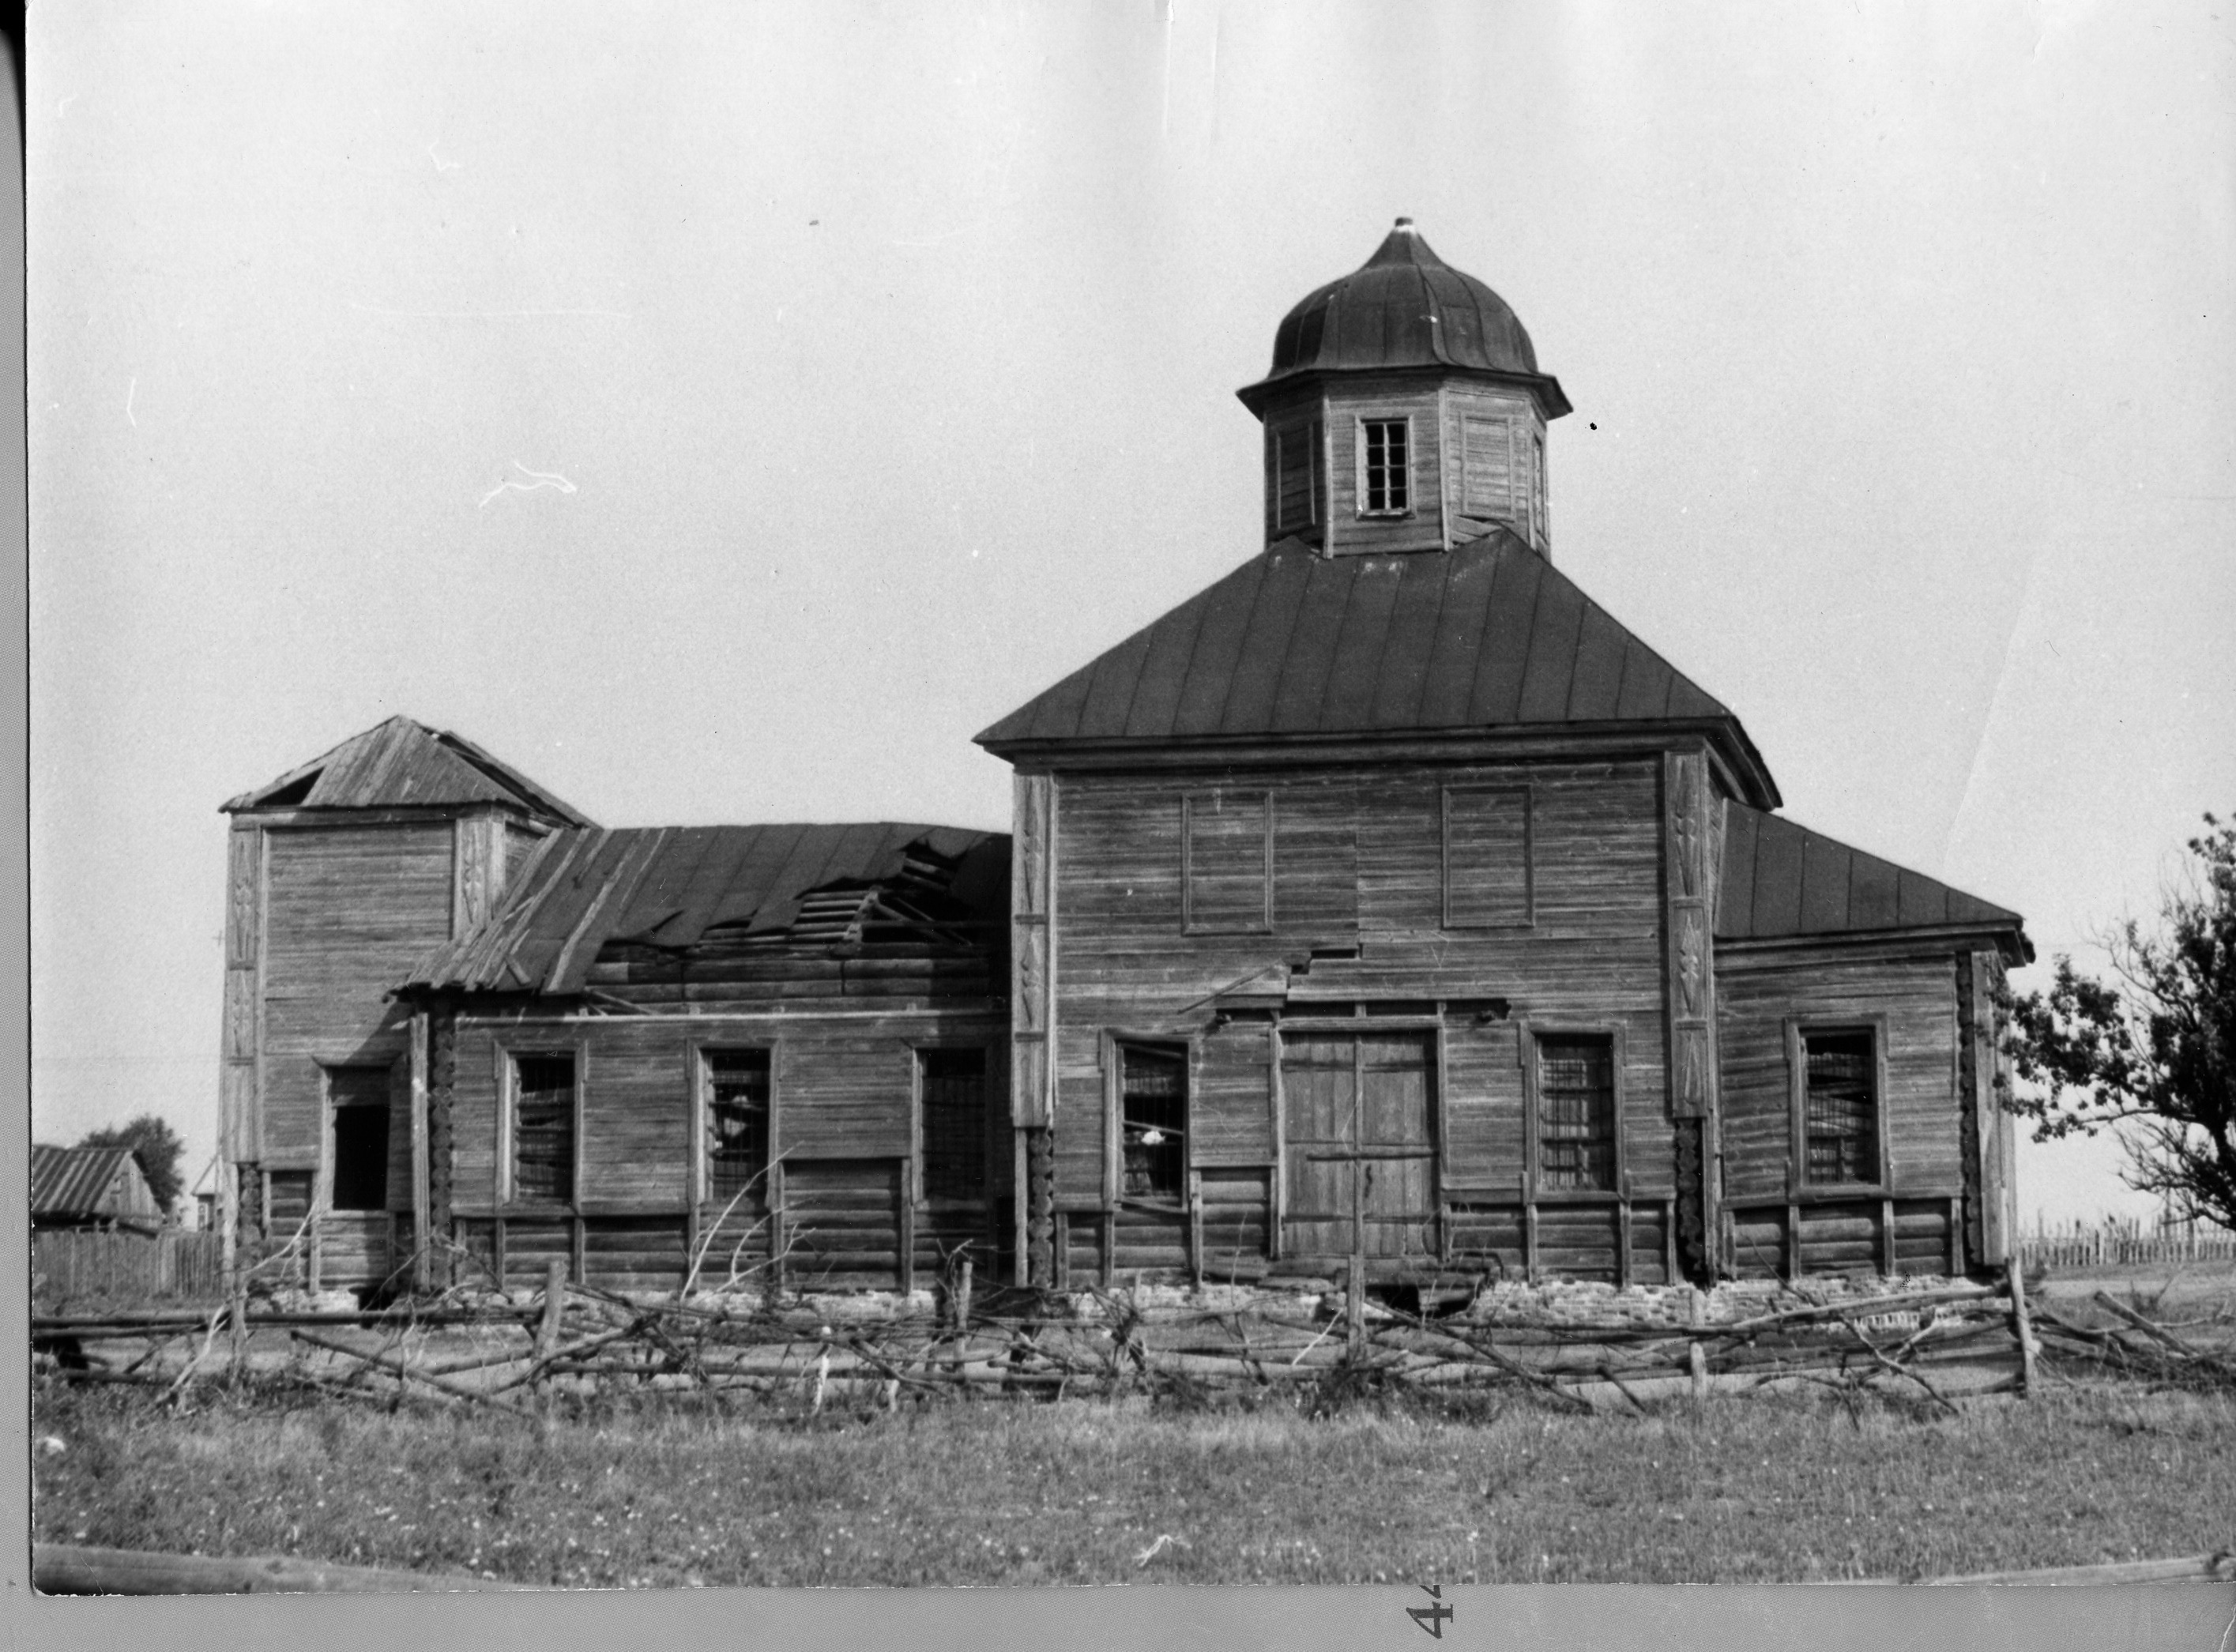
(1431, 1618)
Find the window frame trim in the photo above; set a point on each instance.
(1528, 793)
(508, 1052)
(1531, 1033)
(1189, 926)
(1114, 1040)
(1309, 433)
(996, 1114)
(1797, 1029)
(322, 1173)
(1412, 507)
(701, 1077)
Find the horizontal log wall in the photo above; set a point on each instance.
(1847, 1237)
(1915, 997)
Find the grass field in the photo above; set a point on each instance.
(1733, 1489)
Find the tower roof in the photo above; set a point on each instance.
(1405, 307)
(404, 764)
(1486, 637)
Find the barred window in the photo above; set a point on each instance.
(1152, 1092)
(1575, 1112)
(1841, 1126)
(737, 1122)
(544, 1128)
(953, 1085)
(1386, 489)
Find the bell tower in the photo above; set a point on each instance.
(1404, 412)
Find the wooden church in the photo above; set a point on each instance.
(1386, 910)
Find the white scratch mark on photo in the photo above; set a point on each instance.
(538, 479)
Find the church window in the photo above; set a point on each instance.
(1487, 870)
(1575, 1112)
(544, 1105)
(1840, 1108)
(1226, 862)
(1386, 473)
(737, 1122)
(1297, 477)
(1152, 1121)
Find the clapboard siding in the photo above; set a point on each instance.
(1916, 996)
(1359, 863)
(348, 910)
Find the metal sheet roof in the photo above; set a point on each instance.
(1780, 881)
(667, 885)
(89, 1181)
(1405, 307)
(1488, 635)
(404, 764)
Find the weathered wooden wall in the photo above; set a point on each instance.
(348, 910)
(1358, 864)
(839, 1208)
(1912, 1220)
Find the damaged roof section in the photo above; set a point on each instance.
(1783, 881)
(675, 888)
(402, 764)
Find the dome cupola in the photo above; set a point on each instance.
(1405, 411)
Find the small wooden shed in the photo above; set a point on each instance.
(93, 1186)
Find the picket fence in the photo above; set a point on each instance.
(76, 1264)
(2120, 1242)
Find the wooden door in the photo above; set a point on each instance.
(1356, 1123)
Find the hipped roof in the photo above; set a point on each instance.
(667, 885)
(1781, 880)
(1488, 636)
(401, 763)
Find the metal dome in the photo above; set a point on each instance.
(1405, 307)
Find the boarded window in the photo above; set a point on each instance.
(1386, 483)
(1227, 848)
(953, 1085)
(1153, 1123)
(1297, 477)
(1841, 1126)
(737, 1122)
(1575, 1112)
(1487, 467)
(358, 1096)
(1538, 527)
(290, 1200)
(1488, 882)
(544, 1128)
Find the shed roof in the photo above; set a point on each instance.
(667, 887)
(1782, 880)
(1486, 635)
(74, 1182)
(401, 763)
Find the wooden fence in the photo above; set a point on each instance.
(76, 1264)
(2117, 1242)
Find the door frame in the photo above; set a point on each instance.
(1355, 1027)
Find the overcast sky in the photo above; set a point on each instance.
(722, 414)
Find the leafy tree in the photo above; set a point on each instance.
(2151, 1053)
(155, 1145)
